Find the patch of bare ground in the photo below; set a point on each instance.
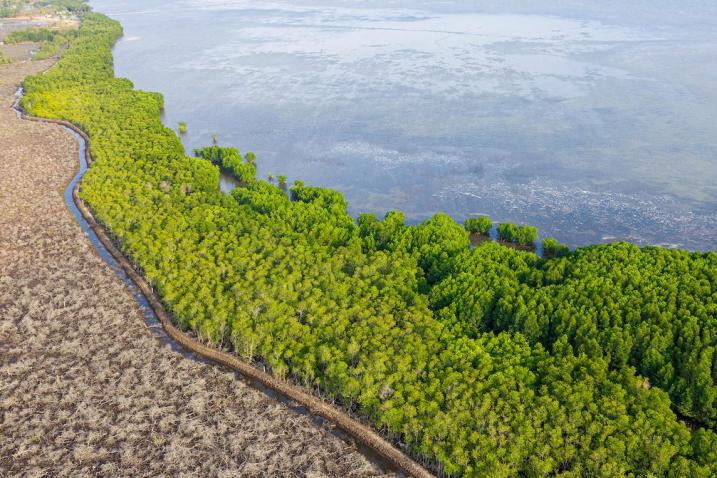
(19, 51)
(85, 389)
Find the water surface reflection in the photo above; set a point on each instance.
(591, 123)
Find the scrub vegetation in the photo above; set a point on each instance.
(51, 41)
(551, 247)
(487, 361)
(31, 34)
(479, 225)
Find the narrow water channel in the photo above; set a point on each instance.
(153, 322)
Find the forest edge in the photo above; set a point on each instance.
(360, 432)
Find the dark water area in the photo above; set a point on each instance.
(149, 316)
(227, 182)
(593, 122)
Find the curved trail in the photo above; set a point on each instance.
(315, 406)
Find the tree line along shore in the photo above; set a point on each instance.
(487, 361)
(86, 388)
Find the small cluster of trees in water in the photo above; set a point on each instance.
(230, 160)
(488, 361)
(510, 233)
(244, 170)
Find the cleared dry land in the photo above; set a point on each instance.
(85, 389)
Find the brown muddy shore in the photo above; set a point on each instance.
(85, 388)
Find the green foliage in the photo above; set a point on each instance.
(50, 49)
(4, 60)
(506, 232)
(489, 361)
(526, 235)
(523, 235)
(182, 127)
(434, 243)
(381, 235)
(325, 198)
(651, 309)
(31, 35)
(479, 225)
(52, 41)
(78, 7)
(230, 160)
(552, 247)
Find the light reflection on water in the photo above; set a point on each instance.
(227, 182)
(593, 127)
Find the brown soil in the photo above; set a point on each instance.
(19, 51)
(85, 389)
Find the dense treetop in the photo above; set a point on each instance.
(489, 361)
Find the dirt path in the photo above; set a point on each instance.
(85, 389)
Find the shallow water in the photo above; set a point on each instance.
(594, 124)
(227, 182)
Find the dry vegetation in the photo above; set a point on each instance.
(85, 389)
